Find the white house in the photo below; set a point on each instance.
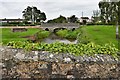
(86, 19)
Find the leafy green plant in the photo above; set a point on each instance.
(75, 49)
(82, 37)
(62, 33)
(68, 34)
(42, 34)
(72, 34)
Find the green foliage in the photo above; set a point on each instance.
(109, 12)
(72, 34)
(68, 34)
(42, 34)
(60, 19)
(62, 33)
(33, 14)
(82, 36)
(17, 24)
(72, 19)
(96, 16)
(75, 49)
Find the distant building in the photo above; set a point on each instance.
(85, 19)
(11, 20)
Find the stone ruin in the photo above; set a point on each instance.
(18, 29)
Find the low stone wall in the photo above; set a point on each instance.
(48, 70)
(60, 25)
(18, 29)
(16, 66)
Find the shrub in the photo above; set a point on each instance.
(42, 34)
(62, 33)
(68, 34)
(82, 37)
(72, 34)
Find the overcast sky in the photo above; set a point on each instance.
(52, 8)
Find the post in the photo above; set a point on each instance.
(117, 31)
(82, 14)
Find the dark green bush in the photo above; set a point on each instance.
(42, 34)
(68, 34)
(62, 33)
(82, 38)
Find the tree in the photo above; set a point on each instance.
(96, 15)
(110, 13)
(60, 19)
(72, 19)
(118, 12)
(108, 10)
(118, 23)
(33, 14)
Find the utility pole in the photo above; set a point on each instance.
(82, 14)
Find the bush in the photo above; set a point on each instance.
(17, 24)
(42, 34)
(82, 38)
(62, 33)
(68, 34)
(72, 34)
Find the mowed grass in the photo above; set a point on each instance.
(101, 34)
(7, 35)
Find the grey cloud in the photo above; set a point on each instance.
(52, 8)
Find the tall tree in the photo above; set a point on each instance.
(118, 23)
(72, 19)
(96, 15)
(119, 26)
(108, 10)
(118, 12)
(33, 14)
(110, 13)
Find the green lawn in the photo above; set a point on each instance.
(8, 35)
(101, 34)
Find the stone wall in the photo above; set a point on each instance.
(73, 25)
(14, 66)
(18, 29)
(48, 70)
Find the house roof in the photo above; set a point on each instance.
(84, 18)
